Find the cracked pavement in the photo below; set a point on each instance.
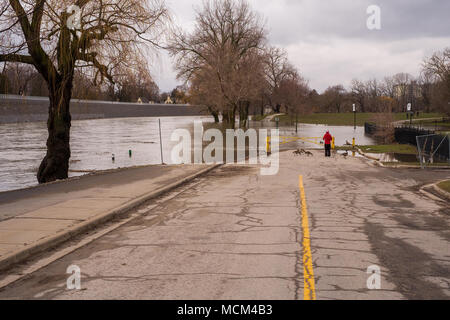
(234, 234)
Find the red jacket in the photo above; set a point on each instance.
(327, 138)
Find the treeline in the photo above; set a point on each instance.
(19, 79)
(430, 92)
(231, 70)
(229, 67)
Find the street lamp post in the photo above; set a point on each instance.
(409, 108)
(354, 122)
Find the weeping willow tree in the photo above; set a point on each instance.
(100, 37)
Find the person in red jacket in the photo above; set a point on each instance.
(327, 138)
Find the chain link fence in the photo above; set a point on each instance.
(433, 149)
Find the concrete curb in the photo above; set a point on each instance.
(10, 260)
(379, 163)
(368, 157)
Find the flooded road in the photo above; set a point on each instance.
(234, 234)
(93, 142)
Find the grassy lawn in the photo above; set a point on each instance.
(391, 148)
(346, 119)
(443, 124)
(415, 164)
(259, 117)
(445, 186)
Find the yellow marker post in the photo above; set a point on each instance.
(309, 290)
(268, 148)
(354, 142)
(333, 143)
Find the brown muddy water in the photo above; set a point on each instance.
(93, 142)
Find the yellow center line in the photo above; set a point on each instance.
(308, 270)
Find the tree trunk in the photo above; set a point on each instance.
(215, 114)
(232, 116)
(55, 165)
(216, 117)
(229, 117)
(225, 117)
(244, 108)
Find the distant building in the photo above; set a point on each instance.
(169, 100)
(409, 91)
(268, 110)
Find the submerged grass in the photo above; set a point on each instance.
(445, 186)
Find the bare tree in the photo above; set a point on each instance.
(359, 94)
(277, 69)
(225, 43)
(335, 97)
(388, 87)
(294, 92)
(204, 92)
(385, 132)
(439, 65)
(58, 36)
(134, 84)
(402, 82)
(437, 69)
(426, 85)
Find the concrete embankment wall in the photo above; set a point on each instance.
(15, 109)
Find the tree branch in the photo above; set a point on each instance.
(37, 18)
(102, 69)
(16, 58)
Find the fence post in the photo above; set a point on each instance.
(448, 138)
(422, 165)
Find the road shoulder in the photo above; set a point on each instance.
(72, 212)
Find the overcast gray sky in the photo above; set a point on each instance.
(329, 42)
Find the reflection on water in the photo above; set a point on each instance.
(93, 142)
(342, 134)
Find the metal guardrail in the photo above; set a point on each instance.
(408, 135)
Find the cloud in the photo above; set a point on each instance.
(329, 42)
(291, 20)
(341, 60)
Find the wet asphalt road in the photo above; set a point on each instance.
(234, 234)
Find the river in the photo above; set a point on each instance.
(93, 142)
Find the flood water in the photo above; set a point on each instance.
(93, 142)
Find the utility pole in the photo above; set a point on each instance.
(354, 121)
(160, 141)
